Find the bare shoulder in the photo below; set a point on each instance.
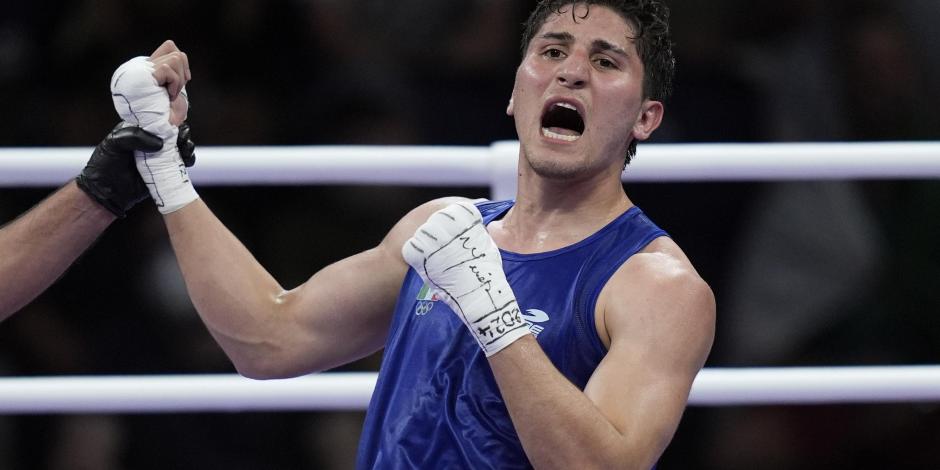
(659, 289)
(663, 267)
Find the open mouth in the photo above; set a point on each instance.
(562, 121)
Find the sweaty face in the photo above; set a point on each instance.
(578, 95)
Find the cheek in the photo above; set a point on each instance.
(527, 71)
(519, 107)
(615, 123)
(622, 103)
(612, 130)
(529, 79)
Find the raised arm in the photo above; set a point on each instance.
(340, 314)
(36, 248)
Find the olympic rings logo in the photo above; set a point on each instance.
(423, 307)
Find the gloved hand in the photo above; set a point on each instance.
(139, 98)
(456, 256)
(111, 176)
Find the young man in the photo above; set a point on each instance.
(562, 329)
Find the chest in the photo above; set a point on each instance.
(554, 295)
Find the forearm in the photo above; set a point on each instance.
(36, 248)
(236, 297)
(558, 425)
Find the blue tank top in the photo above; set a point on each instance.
(436, 403)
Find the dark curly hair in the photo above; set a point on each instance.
(650, 18)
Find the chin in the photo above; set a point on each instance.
(557, 167)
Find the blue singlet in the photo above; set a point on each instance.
(436, 404)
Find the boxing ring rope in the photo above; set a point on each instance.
(494, 165)
(491, 166)
(352, 390)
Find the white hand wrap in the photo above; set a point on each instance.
(140, 101)
(455, 255)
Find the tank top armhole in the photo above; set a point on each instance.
(589, 310)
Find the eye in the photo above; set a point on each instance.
(553, 53)
(605, 63)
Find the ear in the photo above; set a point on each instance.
(651, 116)
(509, 108)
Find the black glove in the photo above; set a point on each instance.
(186, 146)
(111, 176)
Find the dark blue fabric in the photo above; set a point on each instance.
(436, 403)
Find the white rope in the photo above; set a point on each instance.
(473, 166)
(351, 391)
(484, 166)
(183, 393)
(816, 385)
(245, 165)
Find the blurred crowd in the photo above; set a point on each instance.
(805, 273)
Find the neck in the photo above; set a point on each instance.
(553, 213)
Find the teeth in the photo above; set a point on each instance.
(555, 135)
(566, 105)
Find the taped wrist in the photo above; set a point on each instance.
(455, 255)
(165, 175)
(141, 101)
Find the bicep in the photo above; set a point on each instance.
(344, 311)
(660, 334)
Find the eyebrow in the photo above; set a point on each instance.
(597, 44)
(602, 45)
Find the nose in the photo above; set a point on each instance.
(573, 72)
